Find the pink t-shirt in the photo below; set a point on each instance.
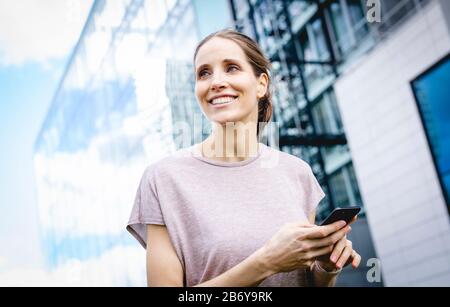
(219, 213)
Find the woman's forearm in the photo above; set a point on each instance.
(254, 270)
(248, 273)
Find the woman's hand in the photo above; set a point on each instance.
(297, 246)
(342, 255)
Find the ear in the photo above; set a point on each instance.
(263, 81)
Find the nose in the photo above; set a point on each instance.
(218, 82)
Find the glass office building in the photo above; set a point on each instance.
(125, 94)
(391, 94)
(340, 71)
(309, 44)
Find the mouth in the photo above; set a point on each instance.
(223, 101)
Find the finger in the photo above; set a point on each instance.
(331, 239)
(346, 253)
(356, 260)
(351, 258)
(338, 249)
(312, 254)
(324, 231)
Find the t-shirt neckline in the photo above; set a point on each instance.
(195, 153)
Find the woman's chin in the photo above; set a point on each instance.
(222, 120)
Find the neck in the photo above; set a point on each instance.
(231, 142)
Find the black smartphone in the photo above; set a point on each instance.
(341, 214)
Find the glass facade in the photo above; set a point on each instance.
(126, 93)
(433, 95)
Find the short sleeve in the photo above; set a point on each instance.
(146, 208)
(313, 191)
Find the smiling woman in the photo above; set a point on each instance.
(246, 73)
(233, 220)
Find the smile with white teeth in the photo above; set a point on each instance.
(223, 100)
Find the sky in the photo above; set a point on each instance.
(36, 39)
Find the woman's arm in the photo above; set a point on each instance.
(248, 273)
(163, 266)
(294, 246)
(165, 269)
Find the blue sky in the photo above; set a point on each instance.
(25, 95)
(32, 59)
(209, 19)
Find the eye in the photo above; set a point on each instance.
(232, 68)
(203, 73)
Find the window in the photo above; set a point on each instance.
(433, 95)
(319, 43)
(394, 12)
(358, 19)
(314, 47)
(348, 24)
(340, 28)
(344, 187)
(326, 115)
(296, 8)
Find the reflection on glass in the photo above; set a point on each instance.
(433, 96)
(345, 188)
(127, 85)
(326, 115)
(339, 27)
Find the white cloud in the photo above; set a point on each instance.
(91, 191)
(79, 194)
(120, 266)
(41, 30)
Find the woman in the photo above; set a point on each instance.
(231, 211)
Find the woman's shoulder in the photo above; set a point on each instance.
(171, 161)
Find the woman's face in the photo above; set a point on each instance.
(226, 86)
